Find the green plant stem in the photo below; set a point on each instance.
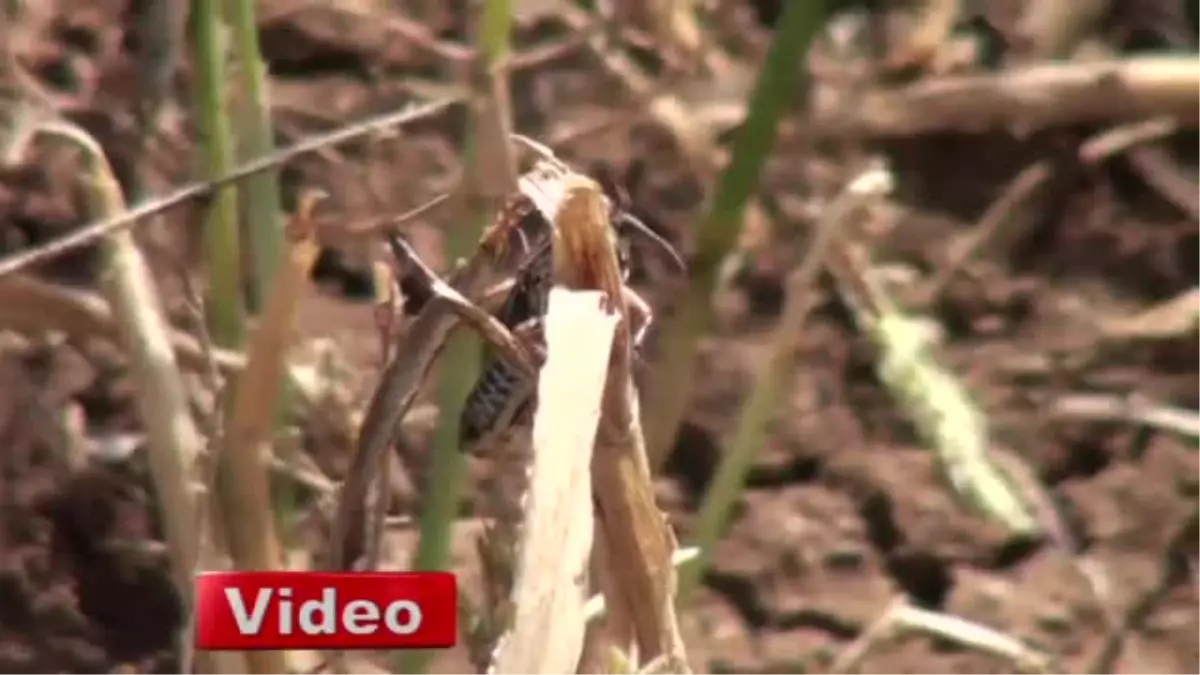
(496, 24)
(461, 357)
(264, 220)
(771, 384)
(221, 243)
(256, 139)
(717, 235)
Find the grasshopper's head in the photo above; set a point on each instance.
(628, 226)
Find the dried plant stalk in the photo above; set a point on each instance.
(398, 387)
(727, 483)
(1136, 409)
(683, 557)
(550, 586)
(172, 438)
(31, 304)
(1033, 97)
(246, 492)
(254, 541)
(902, 617)
(634, 546)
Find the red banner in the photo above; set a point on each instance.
(319, 610)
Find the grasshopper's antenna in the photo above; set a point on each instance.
(618, 197)
(541, 150)
(653, 237)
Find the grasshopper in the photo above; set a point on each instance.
(501, 395)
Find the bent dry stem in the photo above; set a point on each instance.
(773, 380)
(173, 439)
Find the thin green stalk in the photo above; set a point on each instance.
(256, 139)
(717, 235)
(774, 380)
(221, 244)
(264, 220)
(461, 357)
(493, 38)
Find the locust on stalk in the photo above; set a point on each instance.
(502, 394)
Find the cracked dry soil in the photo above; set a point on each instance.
(843, 509)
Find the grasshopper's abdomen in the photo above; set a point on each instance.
(498, 381)
(493, 392)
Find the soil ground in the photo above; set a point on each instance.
(844, 508)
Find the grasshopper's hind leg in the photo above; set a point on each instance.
(641, 316)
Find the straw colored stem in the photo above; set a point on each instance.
(253, 540)
(633, 550)
(550, 585)
(31, 304)
(773, 380)
(1027, 98)
(902, 617)
(172, 438)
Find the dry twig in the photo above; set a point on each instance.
(399, 385)
(121, 221)
(1028, 98)
(902, 617)
(1130, 409)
